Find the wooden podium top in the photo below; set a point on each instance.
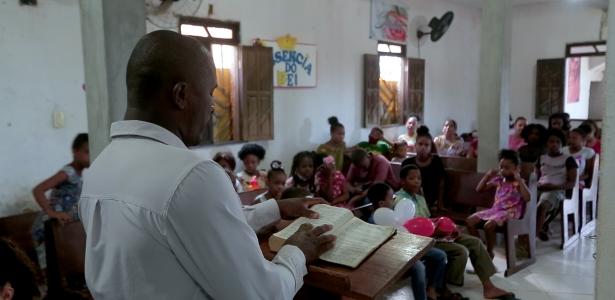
(379, 270)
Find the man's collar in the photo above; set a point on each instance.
(147, 130)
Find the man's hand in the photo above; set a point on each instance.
(312, 241)
(299, 207)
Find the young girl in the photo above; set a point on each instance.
(251, 178)
(449, 143)
(560, 121)
(18, 278)
(515, 140)
(276, 177)
(336, 146)
(510, 197)
(585, 156)
(558, 173)
(227, 162)
(410, 136)
(331, 184)
(400, 151)
(302, 172)
(593, 140)
(65, 189)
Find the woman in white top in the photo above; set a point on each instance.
(449, 143)
(584, 155)
(410, 136)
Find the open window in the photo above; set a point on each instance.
(238, 79)
(393, 86)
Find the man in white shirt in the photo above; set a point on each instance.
(161, 222)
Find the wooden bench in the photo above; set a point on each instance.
(65, 251)
(247, 198)
(459, 163)
(18, 229)
(589, 200)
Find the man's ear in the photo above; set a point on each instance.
(179, 95)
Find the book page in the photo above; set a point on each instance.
(355, 241)
(328, 215)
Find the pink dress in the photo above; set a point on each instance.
(337, 188)
(515, 142)
(508, 203)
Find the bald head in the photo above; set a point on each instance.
(170, 79)
(160, 59)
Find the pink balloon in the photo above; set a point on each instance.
(445, 225)
(420, 226)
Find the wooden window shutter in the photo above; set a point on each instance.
(414, 104)
(256, 90)
(371, 89)
(549, 86)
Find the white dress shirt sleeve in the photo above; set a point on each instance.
(262, 214)
(208, 233)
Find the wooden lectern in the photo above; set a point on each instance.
(379, 270)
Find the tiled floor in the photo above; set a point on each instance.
(556, 275)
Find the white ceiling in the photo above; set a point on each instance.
(478, 3)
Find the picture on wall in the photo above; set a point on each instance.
(294, 64)
(574, 80)
(389, 21)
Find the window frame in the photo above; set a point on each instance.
(402, 54)
(206, 22)
(594, 44)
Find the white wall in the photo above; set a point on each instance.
(340, 30)
(542, 31)
(41, 70)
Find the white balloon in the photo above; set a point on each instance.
(405, 210)
(401, 228)
(385, 216)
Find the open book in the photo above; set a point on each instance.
(355, 239)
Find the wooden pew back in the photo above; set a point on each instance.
(459, 163)
(460, 198)
(18, 229)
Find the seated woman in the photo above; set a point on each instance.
(449, 143)
(336, 146)
(510, 197)
(276, 177)
(331, 184)
(251, 178)
(410, 136)
(302, 172)
(227, 162)
(515, 139)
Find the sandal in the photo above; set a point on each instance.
(510, 296)
(454, 296)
